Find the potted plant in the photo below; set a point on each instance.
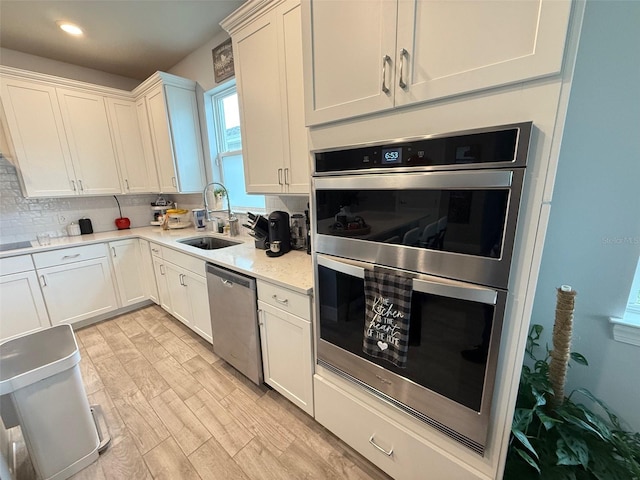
(557, 437)
(218, 195)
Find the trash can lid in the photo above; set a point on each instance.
(36, 356)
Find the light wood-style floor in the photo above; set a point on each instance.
(177, 411)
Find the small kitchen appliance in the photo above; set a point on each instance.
(279, 234)
(85, 226)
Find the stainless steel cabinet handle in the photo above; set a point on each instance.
(66, 257)
(73, 185)
(286, 176)
(126, 182)
(173, 182)
(403, 54)
(81, 186)
(386, 59)
(43, 281)
(155, 250)
(113, 249)
(260, 320)
(283, 301)
(372, 442)
(226, 283)
(161, 269)
(280, 176)
(182, 280)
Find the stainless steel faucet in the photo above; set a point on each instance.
(234, 230)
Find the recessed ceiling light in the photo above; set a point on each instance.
(70, 28)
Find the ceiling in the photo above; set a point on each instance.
(133, 38)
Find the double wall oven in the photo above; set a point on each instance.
(441, 211)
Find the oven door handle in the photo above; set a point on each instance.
(421, 283)
(457, 290)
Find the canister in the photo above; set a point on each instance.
(73, 229)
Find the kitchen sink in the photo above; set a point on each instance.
(209, 243)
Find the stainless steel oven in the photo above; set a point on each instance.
(442, 211)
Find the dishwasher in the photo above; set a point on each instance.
(234, 320)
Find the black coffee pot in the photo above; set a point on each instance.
(279, 234)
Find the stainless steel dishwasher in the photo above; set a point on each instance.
(234, 320)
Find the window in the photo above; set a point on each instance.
(627, 328)
(633, 305)
(226, 147)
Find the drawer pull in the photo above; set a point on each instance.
(387, 453)
(283, 301)
(43, 281)
(113, 249)
(66, 257)
(161, 269)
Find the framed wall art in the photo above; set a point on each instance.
(223, 61)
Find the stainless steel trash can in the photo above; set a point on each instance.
(42, 391)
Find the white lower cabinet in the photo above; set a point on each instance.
(285, 335)
(22, 308)
(127, 266)
(150, 286)
(76, 283)
(389, 445)
(182, 288)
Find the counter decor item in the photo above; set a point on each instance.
(122, 222)
(85, 226)
(553, 436)
(73, 229)
(176, 218)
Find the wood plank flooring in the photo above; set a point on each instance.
(177, 411)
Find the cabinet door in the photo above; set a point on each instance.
(286, 355)
(184, 126)
(161, 139)
(35, 125)
(296, 174)
(350, 58)
(180, 305)
(262, 117)
(137, 167)
(160, 271)
(150, 286)
(87, 127)
(199, 302)
(454, 47)
(127, 265)
(22, 308)
(78, 291)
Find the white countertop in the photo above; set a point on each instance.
(292, 270)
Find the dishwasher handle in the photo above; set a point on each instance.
(230, 278)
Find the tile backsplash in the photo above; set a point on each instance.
(23, 218)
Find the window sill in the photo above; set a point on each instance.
(627, 328)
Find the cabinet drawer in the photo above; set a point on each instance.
(10, 265)
(69, 255)
(390, 446)
(285, 299)
(156, 250)
(193, 264)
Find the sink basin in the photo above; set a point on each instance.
(209, 243)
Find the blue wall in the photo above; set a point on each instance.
(593, 238)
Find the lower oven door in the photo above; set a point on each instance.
(454, 336)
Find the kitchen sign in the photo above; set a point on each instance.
(223, 61)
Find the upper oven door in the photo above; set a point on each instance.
(459, 224)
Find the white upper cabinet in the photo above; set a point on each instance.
(36, 131)
(267, 45)
(137, 165)
(87, 127)
(168, 112)
(367, 56)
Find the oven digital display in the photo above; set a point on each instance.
(391, 156)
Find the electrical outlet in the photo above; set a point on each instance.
(62, 218)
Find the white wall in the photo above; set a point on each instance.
(593, 237)
(33, 63)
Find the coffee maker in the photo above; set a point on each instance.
(279, 234)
